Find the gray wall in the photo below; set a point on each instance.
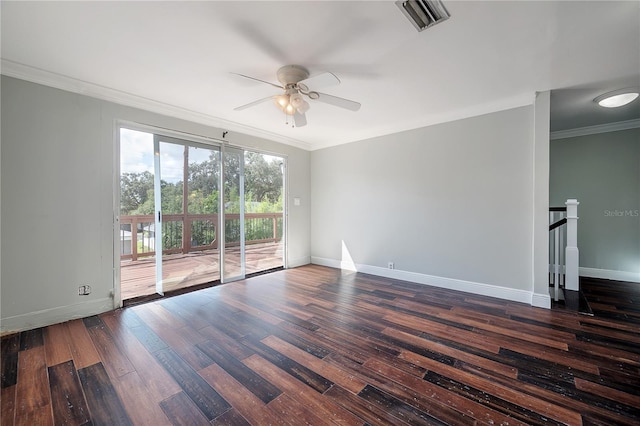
(602, 172)
(58, 171)
(452, 201)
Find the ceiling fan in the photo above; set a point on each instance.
(296, 85)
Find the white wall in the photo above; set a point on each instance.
(58, 157)
(542, 112)
(450, 205)
(602, 171)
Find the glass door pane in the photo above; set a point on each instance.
(233, 255)
(264, 215)
(203, 201)
(170, 217)
(189, 180)
(137, 222)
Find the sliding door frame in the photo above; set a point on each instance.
(195, 140)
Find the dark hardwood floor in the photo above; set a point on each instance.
(314, 345)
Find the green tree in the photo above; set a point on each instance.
(263, 187)
(263, 179)
(135, 190)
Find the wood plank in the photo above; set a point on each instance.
(302, 394)
(245, 402)
(230, 418)
(8, 405)
(565, 399)
(527, 405)
(40, 416)
(31, 339)
(246, 377)
(226, 342)
(482, 362)
(397, 408)
(158, 384)
(286, 364)
(67, 399)
(83, 350)
(56, 344)
(182, 411)
(205, 397)
(443, 403)
(113, 360)
(362, 408)
(331, 372)
(293, 413)
(9, 347)
(186, 308)
(104, 404)
(33, 400)
(135, 397)
(448, 332)
(175, 337)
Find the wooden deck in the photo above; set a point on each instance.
(180, 271)
(315, 345)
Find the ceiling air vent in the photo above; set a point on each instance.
(423, 13)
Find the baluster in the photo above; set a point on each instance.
(556, 263)
(551, 250)
(275, 227)
(134, 238)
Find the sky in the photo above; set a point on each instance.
(136, 155)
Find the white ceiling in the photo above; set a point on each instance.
(176, 58)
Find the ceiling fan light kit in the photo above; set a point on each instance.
(295, 82)
(617, 98)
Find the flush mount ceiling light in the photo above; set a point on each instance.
(423, 13)
(617, 98)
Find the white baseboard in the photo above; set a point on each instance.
(523, 296)
(46, 317)
(541, 300)
(323, 261)
(609, 274)
(301, 261)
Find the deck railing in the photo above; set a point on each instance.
(186, 233)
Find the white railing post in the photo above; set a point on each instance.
(571, 251)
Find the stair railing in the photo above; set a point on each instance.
(563, 248)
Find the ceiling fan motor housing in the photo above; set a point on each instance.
(292, 74)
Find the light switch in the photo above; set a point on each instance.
(296, 201)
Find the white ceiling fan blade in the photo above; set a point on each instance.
(324, 79)
(257, 79)
(250, 104)
(339, 102)
(299, 119)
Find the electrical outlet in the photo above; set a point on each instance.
(83, 290)
(392, 265)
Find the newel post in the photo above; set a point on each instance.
(571, 251)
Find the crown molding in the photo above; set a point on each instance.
(593, 130)
(69, 84)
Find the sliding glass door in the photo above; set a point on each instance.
(187, 180)
(169, 214)
(193, 213)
